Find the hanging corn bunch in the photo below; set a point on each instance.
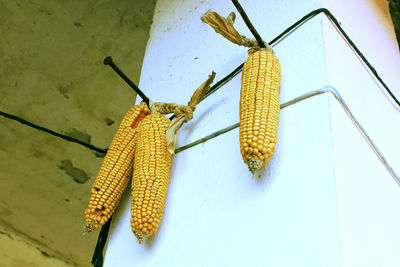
(259, 98)
(141, 149)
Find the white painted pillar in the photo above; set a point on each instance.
(367, 196)
(324, 199)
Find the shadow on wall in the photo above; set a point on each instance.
(394, 6)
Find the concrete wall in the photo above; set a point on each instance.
(324, 198)
(52, 74)
(17, 251)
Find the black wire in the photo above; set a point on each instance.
(109, 61)
(41, 128)
(295, 25)
(248, 23)
(97, 259)
(223, 81)
(372, 69)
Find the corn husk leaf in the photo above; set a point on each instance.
(224, 26)
(182, 117)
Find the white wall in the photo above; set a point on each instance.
(300, 210)
(368, 196)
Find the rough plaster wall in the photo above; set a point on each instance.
(12, 246)
(52, 74)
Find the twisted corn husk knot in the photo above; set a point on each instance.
(186, 111)
(177, 110)
(224, 26)
(182, 113)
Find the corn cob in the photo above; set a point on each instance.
(259, 108)
(115, 171)
(150, 176)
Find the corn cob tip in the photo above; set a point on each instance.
(89, 227)
(140, 237)
(254, 164)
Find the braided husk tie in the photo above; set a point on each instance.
(182, 113)
(168, 108)
(224, 26)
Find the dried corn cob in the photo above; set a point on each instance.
(115, 171)
(150, 176)
(259, 99)
(259, 108)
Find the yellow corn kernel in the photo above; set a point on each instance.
(115, 171)
(259, 108)
(150, 176)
